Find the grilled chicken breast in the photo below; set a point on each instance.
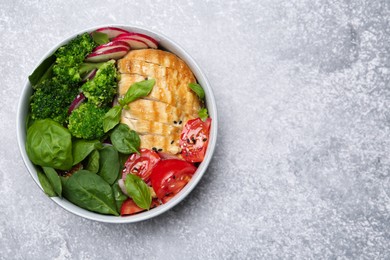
(159, 117)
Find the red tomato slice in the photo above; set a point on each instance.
(194, 139)
(129, 207)
(170, 176)
(141, 164)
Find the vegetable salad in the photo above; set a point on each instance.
(82, 151)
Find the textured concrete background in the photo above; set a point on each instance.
(302, 164)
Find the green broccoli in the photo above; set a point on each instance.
(102, 88)
(87, 121)
(70, 56)
(52, 99)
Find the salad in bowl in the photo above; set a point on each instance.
(117, 124)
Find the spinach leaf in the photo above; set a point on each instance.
(49, 144)
(138, 190)
(87, 67)
(109, 164)
(112, 118)
(100, 38)
(82, 148)
(45, 183)
(137, 90)
(197, 89)
(89, 191)
(93, 162)
(125, 140)
(43, 71)
(118, 195)
(54, 179)
(203, 114)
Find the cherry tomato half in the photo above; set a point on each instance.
(129, 207)
(141, 164)
(194, 139)
(170, 176)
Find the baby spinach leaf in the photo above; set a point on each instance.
(197, 89)
(125, 140)
(93, 162)
(137, 90)
(118, 195)
(203, 114)
(43, 71)
(89, 191)
(109, 164)
(49, 144)
(138, 190)
(100, 38)
(45, 183)
(112, 118)
(82, 148)
(54, 179)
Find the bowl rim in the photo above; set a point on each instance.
(178, 50)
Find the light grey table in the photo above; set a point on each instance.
(302, 165)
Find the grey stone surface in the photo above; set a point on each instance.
(301, 170)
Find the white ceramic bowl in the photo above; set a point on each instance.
(169, 45)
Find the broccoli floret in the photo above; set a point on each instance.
(52, 99)
(70, 56)
(87, 121)
(102, 88)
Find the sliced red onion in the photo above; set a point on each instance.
(100, 56)
(76, 102)
(121, 184)
(167, 156)
(112, 31)
(90, 75)
(111, 45)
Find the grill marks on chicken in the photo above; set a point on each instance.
(159, 117)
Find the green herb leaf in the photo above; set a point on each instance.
(46, 185)
(43, 71)
(88, 67)
(93, 162)
(203, 114)
(138, 190)
(137, 90)
(49, 144)
(89, 191)
(125, 140)
(197, 89)
(112, 118)
(109, 164)
(82, 148)
(54, 179)
(118, 195)
(100, 38)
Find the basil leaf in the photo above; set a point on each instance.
(118, 195)
(49, 144)
(138, 190)
(82, 148)
(89, 191)
(203, 114)
(43, 71)
(93, 162)
(46, 185)
(100, 38)
(54, 179)
(125, 140)
(112, 118)
(109, 164)
(137, 90)
(197, 89)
